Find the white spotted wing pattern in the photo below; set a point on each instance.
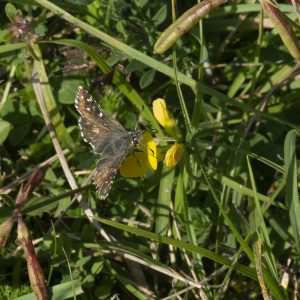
(107, 138)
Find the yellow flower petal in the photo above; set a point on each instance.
(139, 163)
(135, 165)
(148, 145)
(174, 155)
(162, 114)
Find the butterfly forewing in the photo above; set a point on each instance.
(94, 122)
(107, 138)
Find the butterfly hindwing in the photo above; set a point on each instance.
(104, 176)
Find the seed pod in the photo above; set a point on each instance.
(33, 181)
(5, 229)
(174, 155)
(36, 275)
(184, 23)
(284, 28)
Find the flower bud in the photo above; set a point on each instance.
(162, 114)
(174, 155)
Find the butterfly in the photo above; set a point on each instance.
(107, 138)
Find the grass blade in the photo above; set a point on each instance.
(292, 196)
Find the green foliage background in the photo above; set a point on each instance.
(232, 201)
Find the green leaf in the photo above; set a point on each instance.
(11, 12)
(292, 196)
(163, 200)
(17, 115)
(61, 291)
(161, 15)
(147, 78)
(82, 261)
(65, 88)
(258, 226)
(11, 47)
(19, 133)
(104, 289)
(4, 130)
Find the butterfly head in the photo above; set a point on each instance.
(136, 137)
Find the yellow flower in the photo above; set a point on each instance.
(174, 155)
(139, 163)
(162, 114)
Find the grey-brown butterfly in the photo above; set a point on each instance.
(107, 138)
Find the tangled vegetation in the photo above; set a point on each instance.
(207, 207)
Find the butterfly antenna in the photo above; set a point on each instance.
(146, 151)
